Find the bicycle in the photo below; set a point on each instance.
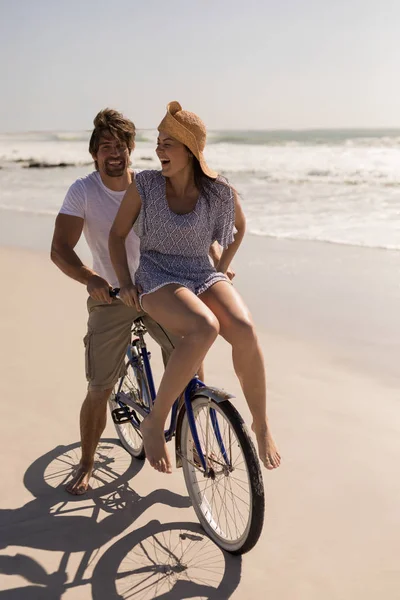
(212, 445)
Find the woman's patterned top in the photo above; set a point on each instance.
(175, 248)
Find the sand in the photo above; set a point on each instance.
(328, 322)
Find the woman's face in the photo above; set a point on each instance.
(174, 156)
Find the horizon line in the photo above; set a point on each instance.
(241, 130)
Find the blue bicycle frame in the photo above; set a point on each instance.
(194, 384)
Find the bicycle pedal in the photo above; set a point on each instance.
(120, 415)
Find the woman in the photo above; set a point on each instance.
(178, 213)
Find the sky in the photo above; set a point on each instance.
(249, 64)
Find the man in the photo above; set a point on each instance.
(90, 206)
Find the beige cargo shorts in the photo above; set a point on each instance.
(107, 339)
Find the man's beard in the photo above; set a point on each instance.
(115, 170)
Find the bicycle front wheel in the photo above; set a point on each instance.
(133, 384)
(229, 499)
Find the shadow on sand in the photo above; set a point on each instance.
(168, 561)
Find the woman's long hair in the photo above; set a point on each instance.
(206, 185)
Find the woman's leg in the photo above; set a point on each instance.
(179, 311)
(237, 328)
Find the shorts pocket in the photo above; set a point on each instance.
(88, 342)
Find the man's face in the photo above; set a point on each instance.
(112, 156)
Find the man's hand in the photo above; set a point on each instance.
(129, 296)
(99, 289)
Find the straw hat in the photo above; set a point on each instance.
(188, 128)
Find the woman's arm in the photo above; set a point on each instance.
(215, 254)
(127, 214)
(229, 252)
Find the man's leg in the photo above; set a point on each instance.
(109, 332)
(93, 419)
(200, 372)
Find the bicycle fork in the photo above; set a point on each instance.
(194, 389)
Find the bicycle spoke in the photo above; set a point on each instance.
(129, 435)
(237, 508)
(156, 564)
(224, 506)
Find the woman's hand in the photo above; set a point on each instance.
(130, 296)
(215, 254)
(228, 271)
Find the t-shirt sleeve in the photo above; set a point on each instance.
(224, 216)
(75, 201)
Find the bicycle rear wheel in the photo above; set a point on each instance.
(229, 500)
(134, 384)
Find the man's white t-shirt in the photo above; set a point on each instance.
(89, 199)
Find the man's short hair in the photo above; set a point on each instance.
(113, 122)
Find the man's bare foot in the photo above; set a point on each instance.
(267, 450)
(155, 446)
(80, 481)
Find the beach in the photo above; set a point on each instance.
(327, 318)
(319, 269)
(296, 107)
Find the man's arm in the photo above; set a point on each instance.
(67, 232)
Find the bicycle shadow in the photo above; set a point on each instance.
(46, 586)
(56, 521)
(173, 561)
(166, 561)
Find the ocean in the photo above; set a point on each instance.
(338, 186)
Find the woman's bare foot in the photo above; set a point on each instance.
(267, 450)
(154, 445)
(80, 481)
